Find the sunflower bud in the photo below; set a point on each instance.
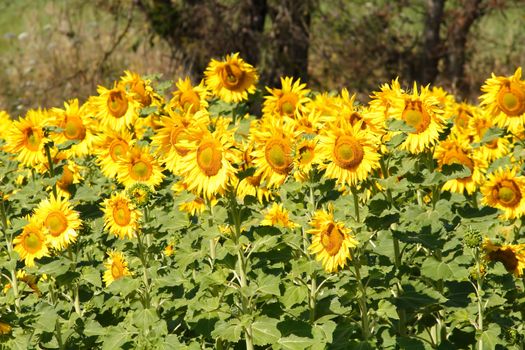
(139, 194)
(472, 238)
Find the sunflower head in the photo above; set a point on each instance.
(278, 216)
(505, 190)
(290, 101)
(32, 243)
(188, 97)
(139, 194)
(121, 217)
(116, 267)
(511, 256)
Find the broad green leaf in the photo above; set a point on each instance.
(269, 284)
(294, 295)
(115, 339)
(490, 337)
(439, 270)
(265, 331)
(228, 330)
(293, 342)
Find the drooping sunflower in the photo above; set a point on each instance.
(115, 108)
(77, 125)
(277, 216)
(422, 111)
(140, 89)
(512, 256)
(60, 222)
(121, 217)
(232, 79)
(290, 100)
(32, 243)
(349, 153)
(332, 241)
(110, 148)
(116, 267)
(207, 168)
(306, 158)
(139, 166)
(189, 98)
(455, 150)
(26, 138)
(505, 190)
(273, 147)
(504, 97)
(490, 151)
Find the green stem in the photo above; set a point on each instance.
(356, 204)
(76, 300)
(145, 277)
(58, 328)
(479, 289)
(14, 280)
(365, 323)
(51, 167)
(312, 297)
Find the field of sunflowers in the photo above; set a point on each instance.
(226, 215)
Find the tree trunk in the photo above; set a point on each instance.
(429, 59)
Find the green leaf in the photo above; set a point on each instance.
(145, 318)
(115, 339)
(92, 276)
(92, 328)
(47, 318)
(228, 330)
(490, 337)
(269, 284)
(294, 342)
(293, 295)
(439, 270)
(54, 268)
(386, 309)
(265, 331)
(124, 285)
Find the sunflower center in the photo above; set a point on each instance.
(117, 270)
(416, 116)
(141, 170)
(511, 100)
(332, 239)
(189, 99)
(508, 194)
(287, 104)
(506, 257)
(209, 158)
(278, 155)
(74, 129)
(348, 152)
(177, 134)
(463, 118)
(66, 179)
(232, 76)
(306, 155)
(32, 139)
(56, 223)
(117, 103)
(122, 215)
(458, 157)
(118, 149)
(32, 242)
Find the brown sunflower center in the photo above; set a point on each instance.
(287, 104)
(190, 99)
(209, 158)
(74, 129)
(348, 152)
(278, 155)
(66, 179)
(505, 256)
(32, 242)
(118, 149)
(33, 139)
(56, 223)
(139, 87)
(117, 270)
(232, 76)
(332, 239)
(508, 193)
(511, 99)
(306, 154)
(141, 170)
(117, 103)
(122, 214)
(416, 116)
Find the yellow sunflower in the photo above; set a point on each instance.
(140, 89)
(349, 153)
(290, 100)
(277, 216)
(306, 158)
(505, 190)
(116, 267)
(324, 104)
(512, 256)
(250, 185)
(5, 121)
(207, 168)
(232, 79)
(60, 222)
(110, 147)
(189, 98)
(71, 175)
(121, 218)
(421, 111)
(114, 108)
(461, 115)
(504, 97)
(332, 241)
(5, 328)
(458, 151)
(197, 205)
(381, 101)
(497, 148)
(139, 166)
(32, 243)
(26, 138)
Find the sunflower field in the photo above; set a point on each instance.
(225, 215)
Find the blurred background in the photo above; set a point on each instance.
(55, 50)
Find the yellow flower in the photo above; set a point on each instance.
(5, 328)
(512, 256)
(116, 267)
(504, 98)
(189, 98)
(140, 89)
(111, 147)
(332, 241)
(32, 243)
(61, 223)
(196, 206)
(506, 191)
(26, 138)
(306, 157)
(232, 79)
(277, 215)
(121, 217)
(168, 251)
(114, 108)
(461, 115)
(139, 166)
(495, 149)
(290, 100)
(5, 121)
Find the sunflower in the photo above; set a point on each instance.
(189, 98)
(121, 218)
(232, 79)
(331, 241)
(71, 175)
(32, 243)
(207, 168)
(324, 103)
(26, 138)
(461, 115)
(197, 205)
(290, 100)
(490, 151)
(139, 166)
(5, 328)
(5, 121)
(504, 98)
(421, 111)
(116, 267)
(454, 150)
(76, 125)
(381, 101)
(110, 147)
(506, 191)
(140, 89)
(512, 256)
(277, 215)
(250, 185)
(349, 153)
(60, 222)
(306, 157)
(114, 108)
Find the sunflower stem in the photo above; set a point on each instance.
(145, 276)
(76, 300)
(14, 280)
(51, 167)
(365, 323)
(356, 204)
(313, 296)
(58, 328)
(479, 291)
